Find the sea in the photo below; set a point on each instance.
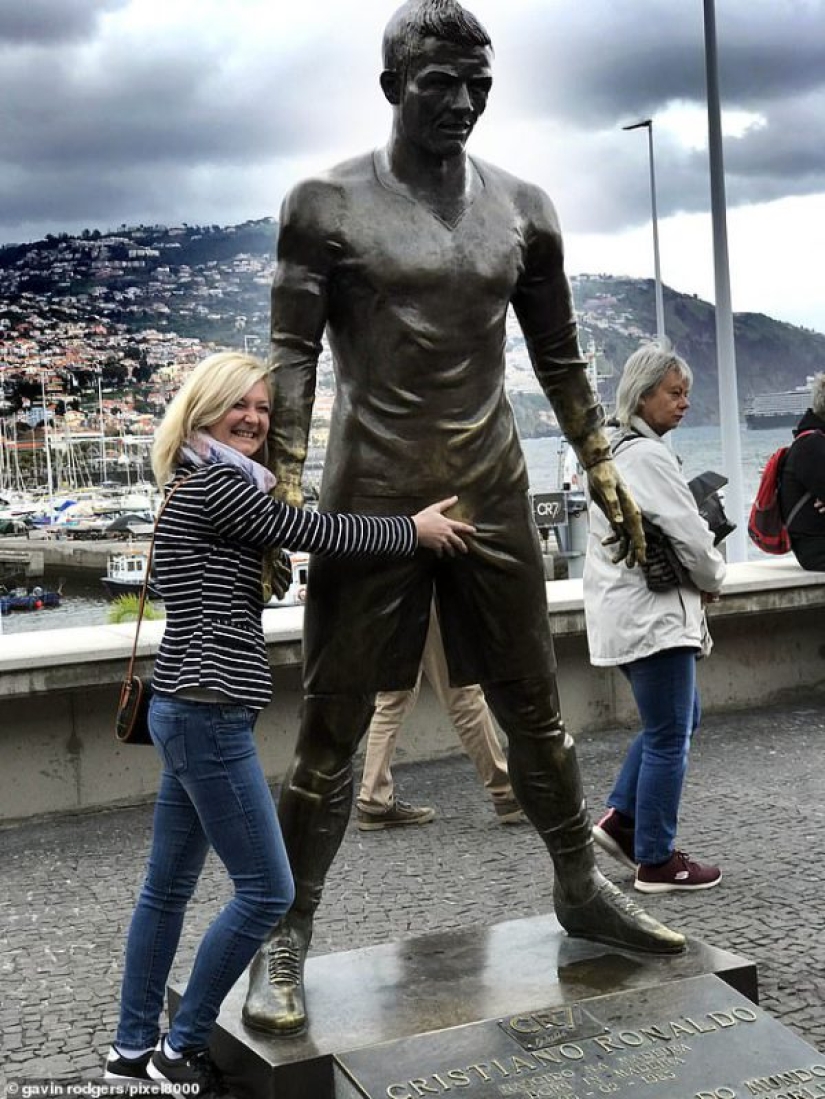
(699, 448)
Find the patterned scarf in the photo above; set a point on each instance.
(201, 449)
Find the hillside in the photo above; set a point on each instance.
(770, 355)
(132, 301)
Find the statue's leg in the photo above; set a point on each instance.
(546, 780)
(314, 808)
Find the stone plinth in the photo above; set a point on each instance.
(423, 986)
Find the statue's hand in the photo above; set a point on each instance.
(289, 490)
(276, 574)
(613, 497)
(276, 570)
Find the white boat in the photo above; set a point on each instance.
(783, 409)
(126, 570)
(125, 573)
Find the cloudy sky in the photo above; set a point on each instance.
(129, 111)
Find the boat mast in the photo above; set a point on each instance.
(49, 479)
(102, 426)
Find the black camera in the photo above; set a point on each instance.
(705, 489)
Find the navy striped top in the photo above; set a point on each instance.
(208, 555)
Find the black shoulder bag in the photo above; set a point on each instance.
(663, 570)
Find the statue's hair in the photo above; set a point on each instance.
(818, 395)
(420, 19)
(644, 372)
(214, 386)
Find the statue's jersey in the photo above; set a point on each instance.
(415, 311)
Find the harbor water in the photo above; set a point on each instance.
(700, 448)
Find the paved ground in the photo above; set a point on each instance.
(755, 802)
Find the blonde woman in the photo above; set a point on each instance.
(211, 679)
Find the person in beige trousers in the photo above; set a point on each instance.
(377, 805)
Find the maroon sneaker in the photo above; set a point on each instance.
(615, 838)
(678, 873)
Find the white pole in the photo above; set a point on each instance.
(46, 436)
(102, 428)
(660, 301)
(736, 543)
(4, 458)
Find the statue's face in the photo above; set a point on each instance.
(444, 94)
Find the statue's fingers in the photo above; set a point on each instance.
(622, 543)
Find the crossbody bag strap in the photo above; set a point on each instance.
(625, 437)
(144, 591)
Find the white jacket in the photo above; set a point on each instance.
(625, 619)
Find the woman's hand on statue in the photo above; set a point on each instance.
(439, 533)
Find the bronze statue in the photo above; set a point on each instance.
(410, 257)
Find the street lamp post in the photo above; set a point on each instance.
(647, 124)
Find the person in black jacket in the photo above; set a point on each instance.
(210, 681)
(802, 486)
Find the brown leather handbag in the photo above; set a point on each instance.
(132, 718)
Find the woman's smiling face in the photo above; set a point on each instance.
(245, 426)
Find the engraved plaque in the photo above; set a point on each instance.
(691, 1039)
(552, 1026)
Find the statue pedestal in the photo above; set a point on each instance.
(425, 1001)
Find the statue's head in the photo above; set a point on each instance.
(416, 20)
(437, 72)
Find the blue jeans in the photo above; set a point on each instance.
(212, 793)
(649, 786)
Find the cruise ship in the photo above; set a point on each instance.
(783, 409)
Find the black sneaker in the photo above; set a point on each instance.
(127, 1070)
(193, 1073)
(398, 814)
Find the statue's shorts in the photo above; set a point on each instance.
(366, 618)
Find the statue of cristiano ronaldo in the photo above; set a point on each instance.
(409, 257)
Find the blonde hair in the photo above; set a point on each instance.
(216, 384)
(644, 372)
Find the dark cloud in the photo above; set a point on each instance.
(101, 126)
(612, 63)
(171, 107)
(46, 22)
(608, 60)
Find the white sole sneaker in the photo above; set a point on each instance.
(122, 1070)
(608, 844)
(674, 887)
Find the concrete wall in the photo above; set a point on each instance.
(58, 689)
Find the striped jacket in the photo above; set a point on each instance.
(208, 554)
